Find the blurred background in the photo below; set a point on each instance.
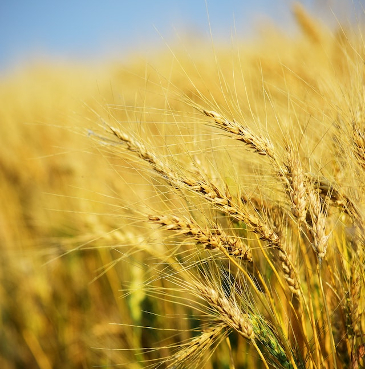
(95, 30)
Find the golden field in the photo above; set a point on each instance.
(204, 209)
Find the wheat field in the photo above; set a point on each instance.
(204, 209)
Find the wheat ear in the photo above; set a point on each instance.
(358, 142)
(295, 185)
(195, 349)
(317, 223)
(257, 143)
(210, 239)
(228, 312)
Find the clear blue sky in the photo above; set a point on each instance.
(94, 29)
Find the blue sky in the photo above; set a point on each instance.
(93, 30)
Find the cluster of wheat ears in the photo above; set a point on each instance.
(249, 211)
(213, 212)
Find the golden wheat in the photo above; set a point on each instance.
(220, 217)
